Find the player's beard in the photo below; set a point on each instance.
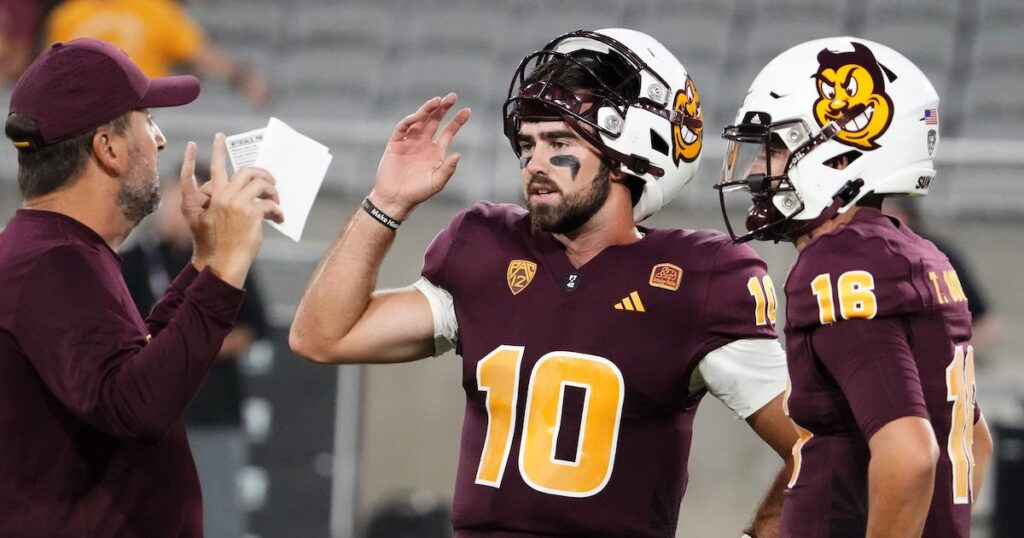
(139, 193)
(575, 210)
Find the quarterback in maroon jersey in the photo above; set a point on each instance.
(587, 340)
(878, 332)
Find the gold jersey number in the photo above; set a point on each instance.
(588, 472)
(960, 389)
(856, 296)
(763, 291)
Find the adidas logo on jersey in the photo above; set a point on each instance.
(631, 303)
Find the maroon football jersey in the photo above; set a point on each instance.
(877, 328)
(578, 416)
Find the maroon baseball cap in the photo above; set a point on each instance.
(79, 85)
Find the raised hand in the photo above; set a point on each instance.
(226, 215)
(415, 164)
(193, 201)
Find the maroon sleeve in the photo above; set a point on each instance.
(872, 362)
(437, 259)
(896, 281)
(76, 325)
(731, 311)
(164, 309)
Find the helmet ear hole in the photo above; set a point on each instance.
(658, 143)
(843, 160)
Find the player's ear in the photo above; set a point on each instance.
(617, 175)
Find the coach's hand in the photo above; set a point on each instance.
(415, 166)
(226, 216)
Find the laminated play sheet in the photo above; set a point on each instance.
(297, 162)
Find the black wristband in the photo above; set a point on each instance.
(379, 215)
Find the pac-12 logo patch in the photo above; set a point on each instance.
(520, 274)
(667, 276)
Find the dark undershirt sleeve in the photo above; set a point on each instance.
(872, 362)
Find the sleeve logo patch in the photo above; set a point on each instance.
(667, 276)
(520, 273)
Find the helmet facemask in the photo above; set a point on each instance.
(753, 166)
(536, 94)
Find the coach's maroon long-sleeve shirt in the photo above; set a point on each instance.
(91, 396)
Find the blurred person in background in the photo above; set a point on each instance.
(214, 418)
(878, 331)
(158, 35)
(415, 514)
(20, 23)
(91, 394)
(587, 341)
(988, 326)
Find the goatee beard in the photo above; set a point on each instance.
(575, 210)
(139, 194)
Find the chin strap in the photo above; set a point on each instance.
(846, 194)
(636, 163)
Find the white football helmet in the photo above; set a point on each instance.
(857, 117)
(645, 116)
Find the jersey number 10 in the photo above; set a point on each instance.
(588, 472)
(763, 291)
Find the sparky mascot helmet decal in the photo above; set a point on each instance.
(827, 101)
(687, 141)
(852, 84)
